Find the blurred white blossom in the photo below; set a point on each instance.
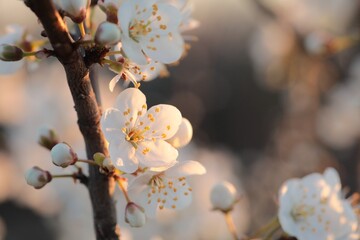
(313, 208)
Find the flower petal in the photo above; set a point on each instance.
(156, 153)
(125, 15)
(123, 156)
(169, 21)
(164, 48)
(179, 196)
(131, 103)
(332, 178)
(139, 184)
(162, 120)
(133, 51)
(113, 82)
(183, 136)
(186, 168)
(111, 123)
(151, 204)
(287, 198)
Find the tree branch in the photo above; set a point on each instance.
(88, 113)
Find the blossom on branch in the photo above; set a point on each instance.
(312, 208)
(137, 135)
(151, 27)
(165, 189)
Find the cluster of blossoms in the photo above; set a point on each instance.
(139, 37)
(143, 142)
(143, 151)
(136, 41)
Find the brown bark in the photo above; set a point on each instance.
(88, 113)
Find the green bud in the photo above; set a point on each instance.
(10, 53)
(99, 158)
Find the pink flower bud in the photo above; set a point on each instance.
(10, 53)
(63, 155)
(134, 215)
(223, 196)
(107, 34)
(37, 177)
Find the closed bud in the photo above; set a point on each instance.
(223, 196)
(107, 164)
(135, 215)
(10, 53)
(183, 136)
(47, 138)
(107, 34)
(99, 158)
(63, 155)
(75, 9)
(37, 177)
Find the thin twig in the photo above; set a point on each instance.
(88, 113)
(231, 225)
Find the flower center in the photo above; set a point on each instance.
(133, 136)
(157, 183)
(138, 29)
(302, 211)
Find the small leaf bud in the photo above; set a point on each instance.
(10, 53)
(37, 177)
(63, 155)
(99, 158)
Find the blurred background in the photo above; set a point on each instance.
(272, 88)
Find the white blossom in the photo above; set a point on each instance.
(165, 189)
(223, 196)
(134, 72)
(137, 135)
(107, 33)
(134, 215)
(186, 8)
(151, 27)
(37, 177)
(63, 155)
(183, 136)
(312, 208)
